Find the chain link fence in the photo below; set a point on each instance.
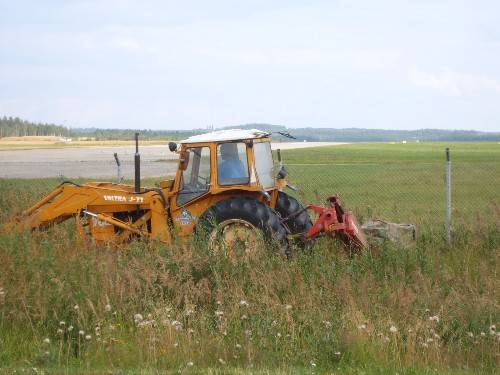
(405, 193)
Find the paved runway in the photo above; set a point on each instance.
(94, 162)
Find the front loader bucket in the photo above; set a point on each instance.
(335, 222)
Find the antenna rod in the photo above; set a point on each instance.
(137, 160)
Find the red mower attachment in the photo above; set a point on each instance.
(335, 222)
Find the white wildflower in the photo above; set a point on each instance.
(76, 307)
(60, 331)
(62, 323)
(221, 361)
(337, 353)
(70, 328)
(313, 364)
(146, 323)
(46, 341)
(219, 313)
(470, 334)
(278, 335)
(493, 330)
(190, 364)
(362, 326)
(177, 325)
(434, 318)
(88, 337)
(327, 324)
(248, 332)
(243, 303)
(107, 308)
(238, 346)
(483, 334)
(429, 340)
(393, 329)
(288, 307)
(176, 345)
(138, 318)
(81, 332)
(244, 317)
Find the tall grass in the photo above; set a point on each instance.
(152, 308)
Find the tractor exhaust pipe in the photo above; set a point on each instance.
(137, 160)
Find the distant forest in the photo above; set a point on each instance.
(15, 127)
(10, 127)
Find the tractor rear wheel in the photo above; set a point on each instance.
(297, 223)
(242, 227)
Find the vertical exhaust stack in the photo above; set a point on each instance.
(137, 160)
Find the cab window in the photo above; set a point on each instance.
(232, 165)
(264, 164)
(195, 179)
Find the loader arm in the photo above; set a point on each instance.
(64, 202)
(99, 202)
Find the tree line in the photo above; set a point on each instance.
(15, 127)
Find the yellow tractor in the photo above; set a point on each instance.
(227, 190)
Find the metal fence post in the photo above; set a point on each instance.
(119, 167)
(448, 196)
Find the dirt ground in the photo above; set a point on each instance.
(98, 162)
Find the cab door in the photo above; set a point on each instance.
(193, 185)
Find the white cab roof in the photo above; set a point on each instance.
(226, 135)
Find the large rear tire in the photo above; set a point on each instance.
(297, 224)
(242, 225)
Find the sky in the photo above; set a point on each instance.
(190, 64)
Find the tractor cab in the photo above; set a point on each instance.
(222, 161)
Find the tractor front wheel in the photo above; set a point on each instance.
(295, 218)
(241, 227)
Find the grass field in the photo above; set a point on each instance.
(71, 307)
(402, 182)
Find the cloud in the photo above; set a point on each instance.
(453, 83)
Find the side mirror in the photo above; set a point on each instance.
(172, 146)
(184, 160)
